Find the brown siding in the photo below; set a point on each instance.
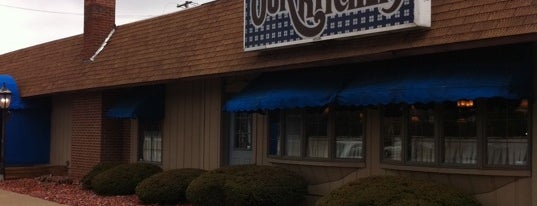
(191, 130)
(61, 130)
(133, 151)
(259, 139)
(533, 149)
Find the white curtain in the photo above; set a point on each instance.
(502, 151)
(292, 145)
(422, 149)
(349, 147)
(152, 150)
(318, 146)
(460, 151)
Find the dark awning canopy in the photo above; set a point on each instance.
(147, 103)
(440, 81)
(284, 90)
(16, 102)
(485, 73)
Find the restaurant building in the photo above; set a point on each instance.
(333, 90)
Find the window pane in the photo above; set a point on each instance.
(274, 133)
(507, 132)
(317, 134)
(460, 134)
(243, 131)
(392, 141)
(421, 134)
(293, 132)
(147, 146)
(349, 133)
(150, 141)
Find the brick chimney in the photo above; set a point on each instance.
(99, 21)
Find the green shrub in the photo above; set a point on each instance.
(123, 179)
(168, 187)
(247, 185)
(97, 169)
(395, 191)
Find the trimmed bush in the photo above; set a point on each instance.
(395, 191)
(168, 187)
(247, 185)
(97, 169)
(123, 179)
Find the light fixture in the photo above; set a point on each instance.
(414, 114)
(5, 101)
(523, 106)
(464, 103)
(5, 97)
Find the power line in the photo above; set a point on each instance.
(38, 10)
(66, 13)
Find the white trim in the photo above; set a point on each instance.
(103, 45)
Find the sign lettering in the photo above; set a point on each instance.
(274, 23)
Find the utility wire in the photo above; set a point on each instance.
(64, 13)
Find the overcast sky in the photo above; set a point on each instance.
(24, 23)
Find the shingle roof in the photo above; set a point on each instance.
(207, 40)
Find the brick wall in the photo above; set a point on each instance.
(95, 137)
(114, 141)
(87, 133)
(99, 20)
(116, 132)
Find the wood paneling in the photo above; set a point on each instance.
(191, 129)
(133, 156)
(517, 193)
(61, 130)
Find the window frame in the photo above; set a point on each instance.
(481, 139)
(143, 125)
(331, 133)
(233, 133)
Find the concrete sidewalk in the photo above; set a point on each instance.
(8, 198)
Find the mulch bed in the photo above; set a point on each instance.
(69, 194)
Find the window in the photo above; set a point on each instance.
(349, 133)
(460, 134)
(150, 141)
(317, 134)
(484, 133)
(393, 133)
(507, 133)
(421, 134)
(242, 131)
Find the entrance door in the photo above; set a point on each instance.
(240, 143)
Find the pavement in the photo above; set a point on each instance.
(8, 198)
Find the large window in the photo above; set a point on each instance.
(319, 134)
(150, 133)
(479, 133)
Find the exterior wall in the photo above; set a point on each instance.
(534, 129)
(87, 132)
(133, 139)
(61, 130)
(115, 140)
(191, 128)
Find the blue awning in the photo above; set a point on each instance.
(16, 102)
(504, 72)
(443, 79)
(284, 90)
(147, 103)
